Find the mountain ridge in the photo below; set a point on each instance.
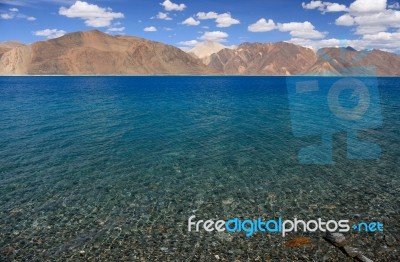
(97, 53)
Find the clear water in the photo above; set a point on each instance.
(110, 168)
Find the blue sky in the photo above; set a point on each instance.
(183, 23)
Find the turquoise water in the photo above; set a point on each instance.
(111, 168)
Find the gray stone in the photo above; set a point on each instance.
(363, 258)
(390, 240)
(336, 239)
(352, 251)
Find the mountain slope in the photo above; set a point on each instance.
(204, 50)
(7, 46)
(264, 59)
(353, 62)
(97, 53)
(288, 59)
(94, 52)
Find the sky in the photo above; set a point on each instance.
(363, 24)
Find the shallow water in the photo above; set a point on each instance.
(101, 168)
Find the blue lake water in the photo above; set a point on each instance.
(111, 168)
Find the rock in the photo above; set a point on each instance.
(336, 239)
(363, 258)
(352, 251)
(228, 201)
(390, 240)
(217, 257)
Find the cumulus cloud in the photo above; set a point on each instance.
(14, 9)
(162, 16)
(49, 33)
(262, 25)
(325, 7)
(370, 17)
(316, 44)
(222, 20)
(295, 29)
(368, 6)
(345, 20)
(93, 15)
(169, 6)
(150, 29)
(191, 22)
(216, 36)
(382, 41)
(302, 30)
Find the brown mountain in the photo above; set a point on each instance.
(288, 59)
(7, 46)
(263, 59)
(350, 61)
(94, 52)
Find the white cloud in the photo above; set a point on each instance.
(116, 29)
(222, 20)
(93, 15)
(169, 6)
(383, 41)
(190, 43)
(162, 16)
(300, 30)
(335, 7)
(368, 6)
(191, 22)
(14, 14)
(345, 20)
(325, 7)
(6, 16)
(365, 30)
(150, 29)
(295, 29)
(216, 36)
(168, 29)
(262, 25)
(50, 33)
(370, 19)
(209, 15)
(316, 44)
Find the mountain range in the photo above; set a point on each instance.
(97, 53)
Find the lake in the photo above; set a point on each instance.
(111, 168)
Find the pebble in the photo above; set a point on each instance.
(363, 258)
(337, 239)
(352, 251)
(390, 240)
(228, 201)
